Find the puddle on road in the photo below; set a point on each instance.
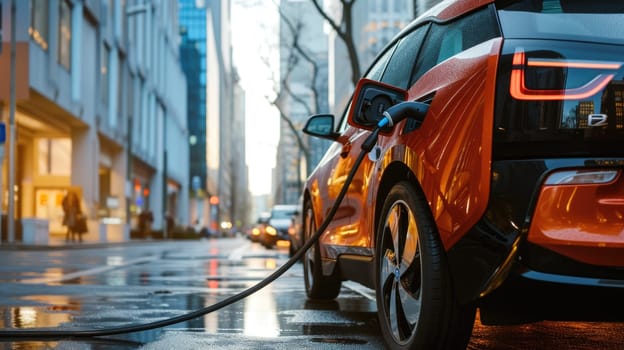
(93, 343)
(172, 291)
(54, 310)
(34, 316)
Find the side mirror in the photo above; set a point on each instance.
(370, 100)
(321, 125)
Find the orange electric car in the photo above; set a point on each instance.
(504, 195)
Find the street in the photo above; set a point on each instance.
(95, 286)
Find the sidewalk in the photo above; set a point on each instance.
(57, 241)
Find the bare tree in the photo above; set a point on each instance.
(344, 31)
(297, 57)
(297, 50)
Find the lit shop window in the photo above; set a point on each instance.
(54, 157)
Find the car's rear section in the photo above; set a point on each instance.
(555, 215)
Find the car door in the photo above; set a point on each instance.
(456, 71)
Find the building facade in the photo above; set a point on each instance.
(101, 109)
(218, 177)
(193, 31)
(241, 197)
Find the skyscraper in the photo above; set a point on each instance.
(204, 25)
(192, 20)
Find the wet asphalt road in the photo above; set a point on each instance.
(98, 286)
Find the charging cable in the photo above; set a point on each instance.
(391, 116)
(56, 333)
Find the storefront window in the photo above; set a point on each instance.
(54, 157)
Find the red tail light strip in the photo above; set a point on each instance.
(572, 64)
(518, 89)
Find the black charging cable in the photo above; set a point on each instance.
(77, 333)
(393, 115)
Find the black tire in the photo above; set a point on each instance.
(415, 302)
(318, 286)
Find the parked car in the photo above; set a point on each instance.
(511, 185)
(278, 224)
(295, 232)
(258, 228)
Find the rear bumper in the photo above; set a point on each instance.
(530, 296)
(582, 221)
(506, 236)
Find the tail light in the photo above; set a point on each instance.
(559, 99)
(582, 177)
(598, 75)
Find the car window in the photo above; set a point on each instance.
(562, 6)
(283, 213)
(376, 71)
(590, 21)
(400, 66)
(409, 47)
(447, 39)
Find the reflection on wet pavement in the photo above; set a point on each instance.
(89, 289)
(82, 290)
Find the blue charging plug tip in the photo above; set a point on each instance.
(383, 122)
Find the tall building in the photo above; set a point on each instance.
(613, 104)
(101, 107)
(241, 197)
(216, 174)
(584, 109)
(193, 31)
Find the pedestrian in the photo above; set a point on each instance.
(71, 215)
(145, 223)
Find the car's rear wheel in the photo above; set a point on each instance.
(318, 286)
(415, 302)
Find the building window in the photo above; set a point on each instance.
(130, 108)
(120, 88)
(64, 34)
(111, 13)
(54, 157)
(124, 22)
(104, 69)
(38, 29)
